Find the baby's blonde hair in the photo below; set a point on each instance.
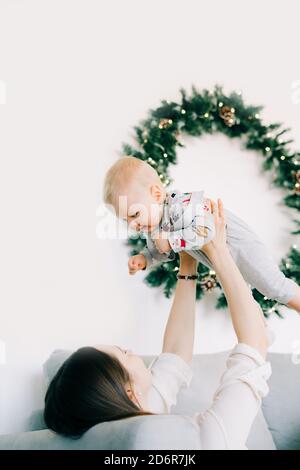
(123, 172)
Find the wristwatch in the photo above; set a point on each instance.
(188, 277)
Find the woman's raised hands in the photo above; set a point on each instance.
(218, 243)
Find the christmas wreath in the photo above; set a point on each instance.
(209, 112)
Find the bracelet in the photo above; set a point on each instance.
(188, 277)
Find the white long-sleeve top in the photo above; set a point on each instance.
(227, 423)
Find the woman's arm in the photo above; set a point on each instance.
(246, 314)
(227, 423)
(180, 329)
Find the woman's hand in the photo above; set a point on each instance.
(162, 243)
(219, 241)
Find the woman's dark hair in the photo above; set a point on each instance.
(89, 388)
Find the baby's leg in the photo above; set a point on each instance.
(262, 272)
(295, 300)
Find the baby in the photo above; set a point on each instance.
(174, 222)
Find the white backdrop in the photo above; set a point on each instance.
(75, 77)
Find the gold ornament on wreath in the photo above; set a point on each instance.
(208, 282)
(228, 115)
(163, 123)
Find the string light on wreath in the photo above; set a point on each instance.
(213, 111)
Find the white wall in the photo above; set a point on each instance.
(78, 75)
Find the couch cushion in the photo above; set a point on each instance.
(149, 433)
(281, 406)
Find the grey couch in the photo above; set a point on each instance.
(276, 426)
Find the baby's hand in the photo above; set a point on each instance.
(136, 263)
(208, 205)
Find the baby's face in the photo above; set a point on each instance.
(141, 207)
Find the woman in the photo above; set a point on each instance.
(105, 383)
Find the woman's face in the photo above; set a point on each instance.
(140, 375)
